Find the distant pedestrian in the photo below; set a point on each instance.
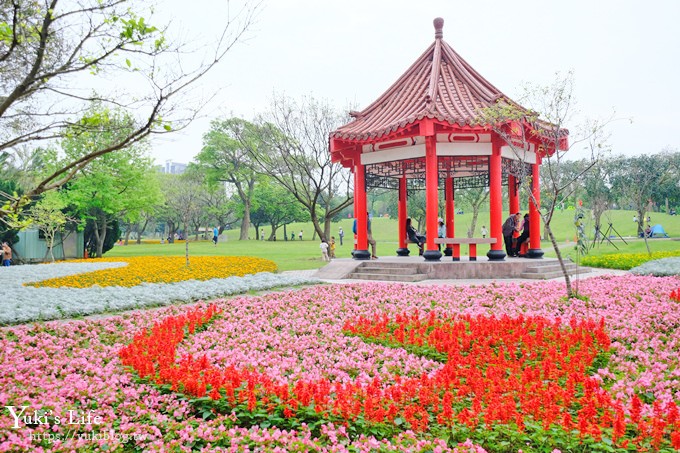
(441, 232)
(6, 254)
(324, 250)
(216, 233)
(292, 235)
(300, 235)
(262, 234)
(331, 248)
(484, 231)
(341, 235)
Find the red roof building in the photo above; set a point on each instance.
(430, 126)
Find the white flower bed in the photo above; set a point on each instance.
(20, 303)
(659, 268)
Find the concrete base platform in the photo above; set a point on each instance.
(415, 268)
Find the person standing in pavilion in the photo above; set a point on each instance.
(371, 241)
(509, 228)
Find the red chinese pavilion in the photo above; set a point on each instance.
(427, 128)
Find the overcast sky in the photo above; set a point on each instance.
(625, 56)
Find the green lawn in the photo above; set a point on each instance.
(290, 255)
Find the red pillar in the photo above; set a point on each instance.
(495, 202)
(534, 217)
(431, 198)
(401, 215)
(354, 175)
(450, 210)
(513, 195)
(361, 253)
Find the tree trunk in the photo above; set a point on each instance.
(272, 235)
(128, 230)
(100, 224)
(186, 243)
(51, 246)
(641, 221)
(476, 204)
(139, 233)
(196, 236)
(172, 229)
(558, 253)
(245, 223)
(327, 229)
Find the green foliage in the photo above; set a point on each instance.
(275, 205)
(48, 215)
(117, 183)
(136, 30)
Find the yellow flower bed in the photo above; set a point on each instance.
(162, 269)
(625, 261)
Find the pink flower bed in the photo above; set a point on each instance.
(74, 366)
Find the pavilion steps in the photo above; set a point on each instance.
(387, 272)
(548, 270)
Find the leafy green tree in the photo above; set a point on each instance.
(636, 179)
(597, 188)
(115, 185)
(296, 156)
(55, 55)
(182, 203)
(226, 156)
(666, 192)
(275, 206)
(48, 215)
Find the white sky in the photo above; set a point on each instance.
(625, 55)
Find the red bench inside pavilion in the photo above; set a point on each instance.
(472, 243)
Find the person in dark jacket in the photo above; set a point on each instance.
(509, 228)
(415, 237)
(524, 237)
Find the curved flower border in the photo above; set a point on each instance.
(26, 304)
(507, 369)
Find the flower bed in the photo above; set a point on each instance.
(625, 261)
(24, 303)
(659, 268)
(162, 269)
(296, 339)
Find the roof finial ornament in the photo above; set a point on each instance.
(438, 26)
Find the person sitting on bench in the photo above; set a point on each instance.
(415, 237)
(524, 237)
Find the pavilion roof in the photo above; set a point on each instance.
(439, 85)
